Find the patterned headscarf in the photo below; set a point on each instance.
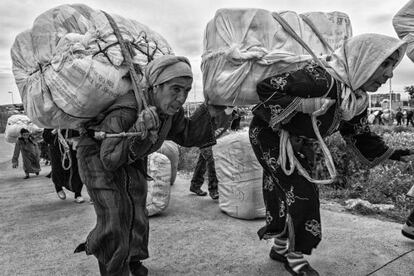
(166, 68)
(355, 62)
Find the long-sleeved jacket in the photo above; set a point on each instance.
(115, 152)
(281, 95)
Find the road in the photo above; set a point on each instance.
(38, 233)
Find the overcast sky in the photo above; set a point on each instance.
(182, 23)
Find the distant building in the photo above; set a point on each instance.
(381, 100)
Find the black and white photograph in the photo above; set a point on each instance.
(234, 138)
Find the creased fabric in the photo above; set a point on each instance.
(166, 68)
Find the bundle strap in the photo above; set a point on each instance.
(143, 108)
(127, 52)
(316, 32)
(288, 155)
(64, 150)
(285, 25)
(286, 150)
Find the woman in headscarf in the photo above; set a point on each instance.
(114, 169)
(296, 110)
(403, 22)
(30, 153)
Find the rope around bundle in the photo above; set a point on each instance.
(64, 150)
(287, 153)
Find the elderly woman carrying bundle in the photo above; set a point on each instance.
(297, 109)
(114, 169)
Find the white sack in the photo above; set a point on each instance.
(171, 150)
(245, 46)
(159, 189)
(403, 23)
(240, 177)
(18, 121)
(64, 77)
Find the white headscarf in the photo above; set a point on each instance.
(355, 62)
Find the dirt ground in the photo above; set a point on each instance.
(38, 233)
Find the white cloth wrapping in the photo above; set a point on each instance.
(159, 189)
(171, 150)
(66, 69)
(239, 177)
(245, 46)
(403, 22)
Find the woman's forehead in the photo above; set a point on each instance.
(394, 57)
(180, 81)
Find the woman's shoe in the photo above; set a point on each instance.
(214, 195)
(408, 230)
(37, 173)
(26, 177)
(79, 199)
(61, 195)
(198, 191)
(138, 269)
(305, 270)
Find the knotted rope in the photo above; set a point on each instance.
(64, 150)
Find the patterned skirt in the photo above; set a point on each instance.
(292, 202)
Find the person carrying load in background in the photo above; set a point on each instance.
(114, 169)
(296, 110)
(30, 153)
(403, 23)
(65, 172)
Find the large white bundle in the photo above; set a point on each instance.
(240, 177)
(245, 46)
(69, 66)
(18, 121)
(171, 150)
(159, 189)
(403, 23)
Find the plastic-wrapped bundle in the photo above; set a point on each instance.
(18, 121)
(403, 23)
(69, 66)
(245, 46)
(240, 177)
(171, 150)
(159, 189)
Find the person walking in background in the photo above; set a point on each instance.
(399, 116)
(30, 153)
(236, 119)
(285, 127)
(205, 162)
(64, 164)
(410, 115)
(378, 117)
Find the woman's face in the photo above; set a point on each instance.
(382, 74)
(25, 135)
(171, 95)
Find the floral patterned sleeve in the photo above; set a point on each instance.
(280, 95)
(366, 145)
